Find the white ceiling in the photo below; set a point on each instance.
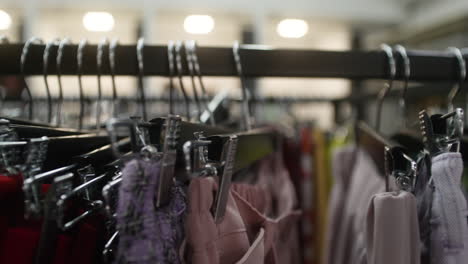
(361, 11)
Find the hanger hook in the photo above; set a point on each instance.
(3, 40)
(179, 67)
(99, 55)
(189, 59)
(141, 73)
(24, 53)
(79, 66)
(196, 66)
(112, 47)
(61, 47)
(406, 76)
(245, 98)
(45, 66)
(388, 85)
(461, 75)
(170, 58)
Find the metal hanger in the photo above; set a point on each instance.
(461, 76)
(442, 133)
(196, 65)
(383, 151)
(190, 65)
(387, 86)
(170, 58)
(179, 67)
(45, 66)
(99, 55)
(168, 160)
(397, 163)
(62, 45)
(406, 75)
(94, 204)
(79, 66)
(3, 40)
(141, 72)
(202, 166)
(98, 158)
(113, 45)
(24, 54)
(245, 96)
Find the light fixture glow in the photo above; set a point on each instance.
(98, 21)
(5, 20)
(199, 24)
(292, 28)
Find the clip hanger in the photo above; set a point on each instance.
(440, 134)
(200, 165)
(229, 156)
(168, 160)
(400, 166)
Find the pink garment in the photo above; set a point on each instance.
(274, 179)
(245, 235)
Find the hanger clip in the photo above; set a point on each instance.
(229, 158)
(168, 160)
(138, 131)
(401, 167)
(442, 133)
(196, 156)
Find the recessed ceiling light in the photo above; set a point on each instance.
(292, 28)
(199, 24)
(98, 21)
(5, 20)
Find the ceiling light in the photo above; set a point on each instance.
(98, 21)
(199, 24)
(292, 28)
(5, 20)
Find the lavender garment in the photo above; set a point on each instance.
(449, 228)
(424, 196)
(146, 234)
(343, 163)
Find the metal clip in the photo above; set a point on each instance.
(401, 167)
(6, 132)
(66, 195)
(139, 135)
(87, 174)
(200, 154)
(35, 155)
(168, 161)
(109, 193)
(229, 158)
(441, 135)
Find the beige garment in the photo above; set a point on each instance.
(366, 182)
(392, 229)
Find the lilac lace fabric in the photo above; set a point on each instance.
(148, 234)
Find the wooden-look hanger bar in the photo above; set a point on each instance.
(258, 61)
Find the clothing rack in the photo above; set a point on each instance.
(263, 100)
(257, 61)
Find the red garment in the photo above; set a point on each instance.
(19, 238)
(307, 198)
